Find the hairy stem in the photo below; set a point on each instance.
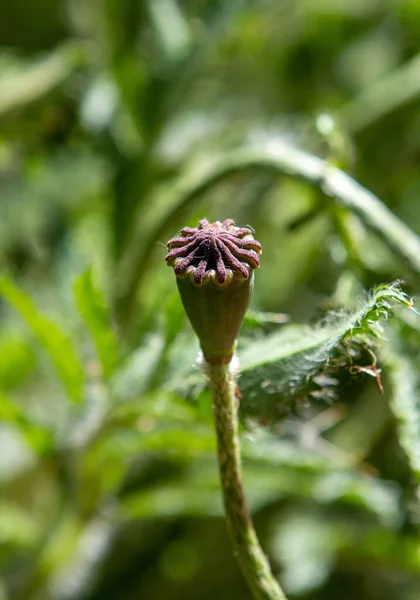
(280, 159)
(249, 554)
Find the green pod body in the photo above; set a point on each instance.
(216, 313)
(214, 265)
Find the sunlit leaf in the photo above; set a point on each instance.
(38, 438)
(276, 368)
(17, 360)
(197, 491)
(135, 375)
(59, 184)
(17, 527)
(92, 306)
(34, 80)
(405, 404)
(50, 337)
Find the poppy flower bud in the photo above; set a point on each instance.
(214, 266)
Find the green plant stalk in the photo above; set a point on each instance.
(279, 159)
(249, 554)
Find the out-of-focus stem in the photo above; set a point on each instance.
(281, 159)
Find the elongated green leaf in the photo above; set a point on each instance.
(17, 360)
(279, 367)
(135, 375)
(51, 338)
(38, 438)
(34, 80)
(301, 362)
(255, 319)
(197, 491)
(92, 306)
(17, 527)
(405, 404)
(59, 183)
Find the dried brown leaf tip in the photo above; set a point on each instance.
(214, 252)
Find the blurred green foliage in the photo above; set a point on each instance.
(122, 121)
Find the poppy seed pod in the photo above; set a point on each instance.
(214, 266)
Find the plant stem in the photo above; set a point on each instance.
(280, 159)
(249, 554)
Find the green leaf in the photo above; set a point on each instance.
(57, 185)
(50, 337)
(92, 306)
(405, 404)
(135, 375)
(17, 360)
(38, 438)
(34, 80)
(174, 316)
(255, 319)
(278, 368)
(197, 491)
(17, 527)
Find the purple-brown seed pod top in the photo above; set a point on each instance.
(214, 252)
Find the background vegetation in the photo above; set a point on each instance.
(120, 122)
